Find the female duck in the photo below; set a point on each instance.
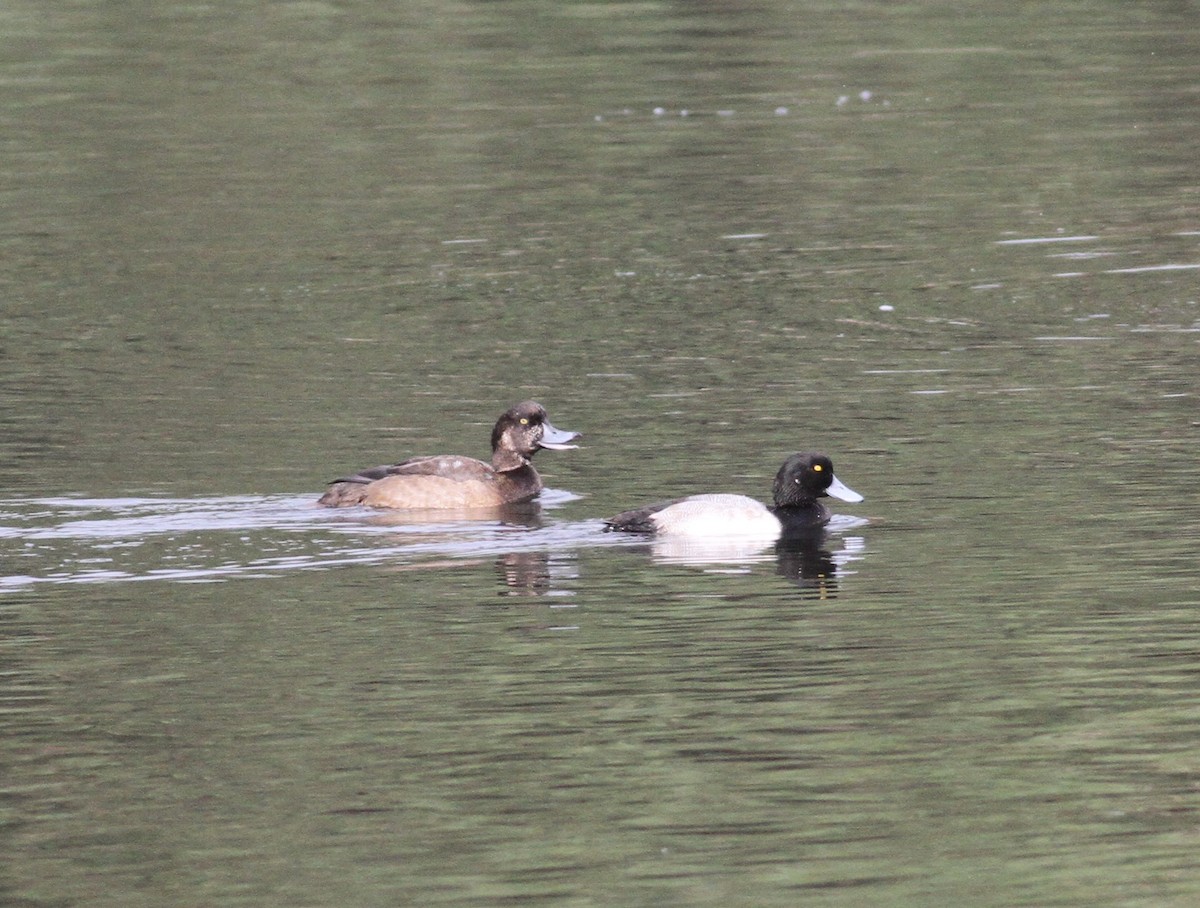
(801, 480)
(449, 481)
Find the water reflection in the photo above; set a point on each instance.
(811, 559)
(98, 541)
(527, 514)
(193, 540)
(717, 551)
(524, 574)
(813, 564)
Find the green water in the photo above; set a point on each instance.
(250, 247)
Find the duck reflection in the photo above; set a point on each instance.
(458, 532)
(808, 562)
(701, 551)
(811, 560)
(537, 579)
(524, 574)
(526, 514)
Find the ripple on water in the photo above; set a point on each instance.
(202, 540)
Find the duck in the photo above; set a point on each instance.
(803, 479)
(448, 481)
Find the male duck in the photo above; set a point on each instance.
(801, 480)
(449, 481)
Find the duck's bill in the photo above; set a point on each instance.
(839, 489)
(557, 439)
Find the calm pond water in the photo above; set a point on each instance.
(250, 247)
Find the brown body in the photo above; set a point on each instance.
(438, 482)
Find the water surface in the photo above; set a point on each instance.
(251, 249)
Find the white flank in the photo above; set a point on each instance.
(715, 516)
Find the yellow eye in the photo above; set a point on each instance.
(524, 421)
(817, 468)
